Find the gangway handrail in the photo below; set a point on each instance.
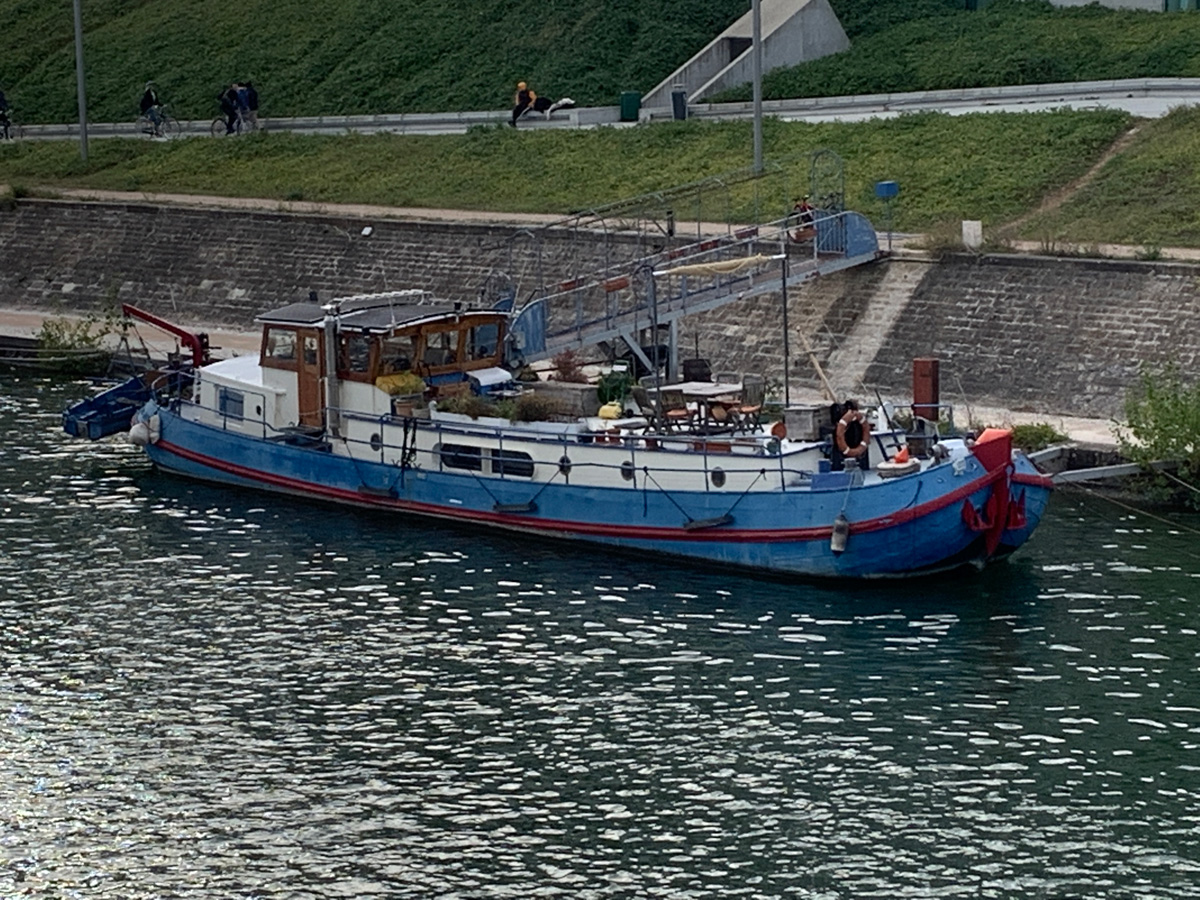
(841, 239)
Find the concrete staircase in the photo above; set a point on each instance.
(848, 362)
(793, 31)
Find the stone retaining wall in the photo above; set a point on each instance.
(1029, 333)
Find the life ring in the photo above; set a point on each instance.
(853, 434)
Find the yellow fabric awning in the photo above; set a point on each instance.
(723, 267)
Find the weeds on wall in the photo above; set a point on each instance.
(1162, 415)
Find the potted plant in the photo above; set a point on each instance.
(407, 389)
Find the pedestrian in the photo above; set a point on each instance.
(522, 100)
(228, 100)
(803, 216)
(243, 103)
(251, 106)
(151, 107)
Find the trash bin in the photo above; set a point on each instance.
(679, 104)
(631, 102)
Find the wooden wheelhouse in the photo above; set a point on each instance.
(373, 338)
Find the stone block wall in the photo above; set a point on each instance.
(1046, 334)
(1028, 333)
(217, 267)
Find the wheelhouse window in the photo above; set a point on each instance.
(462, 456)
(355, 362)
(482, 341)
(279, 348)
(441, 348)
(512, 464)
(397, 354)
(311, 350)
(231, 403)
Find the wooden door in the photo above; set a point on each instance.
(311, 354)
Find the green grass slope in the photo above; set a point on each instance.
(992, 167)
(309, 57)
(333, 57)
(1009, 42)
(1148, 195)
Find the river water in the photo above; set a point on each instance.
(212, 693)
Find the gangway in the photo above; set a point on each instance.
(661, 288)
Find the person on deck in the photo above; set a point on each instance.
(851, 437)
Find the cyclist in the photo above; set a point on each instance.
(228, 98)
(151, 107)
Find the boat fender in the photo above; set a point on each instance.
(779, 430)
(143, 434)
(841, 533)
(853, 433)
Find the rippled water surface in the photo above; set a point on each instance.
(212, 693)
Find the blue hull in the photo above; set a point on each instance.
(921, 523)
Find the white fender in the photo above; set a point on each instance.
(144, 433)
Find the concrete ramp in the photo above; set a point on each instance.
(793, 31)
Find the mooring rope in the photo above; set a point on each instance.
(1134, 509)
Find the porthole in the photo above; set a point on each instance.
(376, 443)
(717, 477)
(627, 470)
(564, 465)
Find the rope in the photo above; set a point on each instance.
(1134, 509)
(762, 473)
(1177, 479)
(646, 471)
(649, 477)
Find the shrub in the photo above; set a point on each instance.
(58, 334)
(405, 383)
(1036, 436)
(469, 405)
(568, 366)
(1163, 423)
(614, 386)
(534, 407)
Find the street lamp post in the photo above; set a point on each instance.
(756, 16)
(79, 84)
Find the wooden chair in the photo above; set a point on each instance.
(727, 377)
(749, 411)
(675, 414)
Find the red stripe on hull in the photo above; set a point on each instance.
(571, 527)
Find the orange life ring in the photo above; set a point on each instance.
(860, 440)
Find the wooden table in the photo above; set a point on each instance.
(715, 402)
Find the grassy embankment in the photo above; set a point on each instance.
(382, 56)
(312, 57)
(1010, 42)
(1147, 195)
(992, 167)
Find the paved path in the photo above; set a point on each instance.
(1143, 97)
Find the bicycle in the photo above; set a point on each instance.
(241, 125)
(168, 125)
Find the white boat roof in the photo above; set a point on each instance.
(370, 312)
